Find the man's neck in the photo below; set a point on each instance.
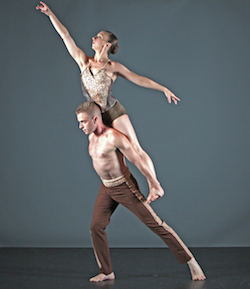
(100, 129)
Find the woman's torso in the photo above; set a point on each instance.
(97, 86)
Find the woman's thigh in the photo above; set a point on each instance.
(124, 125)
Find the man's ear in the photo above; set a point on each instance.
(95, 118)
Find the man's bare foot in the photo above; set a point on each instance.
(101, 277)
(195, 270)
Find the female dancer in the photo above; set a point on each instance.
(98, 74)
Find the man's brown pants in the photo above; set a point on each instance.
(129, 195)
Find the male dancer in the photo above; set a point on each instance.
(108, 149)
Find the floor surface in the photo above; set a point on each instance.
(139, 268)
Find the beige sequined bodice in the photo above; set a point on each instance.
(98, 87)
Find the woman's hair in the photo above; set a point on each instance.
(114, 41)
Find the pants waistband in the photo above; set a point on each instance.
(117, 181)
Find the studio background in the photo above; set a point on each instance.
(200, 148)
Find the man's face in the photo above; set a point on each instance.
(86, 124)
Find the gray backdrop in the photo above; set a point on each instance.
(197, 48)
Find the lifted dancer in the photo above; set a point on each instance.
(98, 74)
(108, 149)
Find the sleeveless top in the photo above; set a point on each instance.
(98, 87)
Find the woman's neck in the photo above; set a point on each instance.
(100, 57)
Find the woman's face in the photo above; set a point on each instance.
(100, 40)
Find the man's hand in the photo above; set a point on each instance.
(154, 194)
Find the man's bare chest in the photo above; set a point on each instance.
(100, 148)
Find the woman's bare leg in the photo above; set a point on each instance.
(124, 125)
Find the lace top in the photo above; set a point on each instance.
(98, 87)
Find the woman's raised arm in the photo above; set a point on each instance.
(78, 55)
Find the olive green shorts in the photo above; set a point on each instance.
(113, 113)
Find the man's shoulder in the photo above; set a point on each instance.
(111, 134)
(116, 138)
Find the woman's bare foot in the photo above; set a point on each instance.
(101, 277)
(196, 271)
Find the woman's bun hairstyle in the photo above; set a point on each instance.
(114, 41)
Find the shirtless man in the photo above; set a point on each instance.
(107, 148)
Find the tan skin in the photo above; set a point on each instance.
(107, 148)
(101, 46)
(114, 69)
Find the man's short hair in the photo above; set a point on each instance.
(91, 108)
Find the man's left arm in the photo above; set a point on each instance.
(122, 143)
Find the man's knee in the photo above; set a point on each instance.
(96, 227)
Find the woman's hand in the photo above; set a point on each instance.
(44, 8)
(171, 96)
(78, 55)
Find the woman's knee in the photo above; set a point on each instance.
(139, 150)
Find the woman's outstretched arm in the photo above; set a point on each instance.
(143, 81)
(78, 55)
